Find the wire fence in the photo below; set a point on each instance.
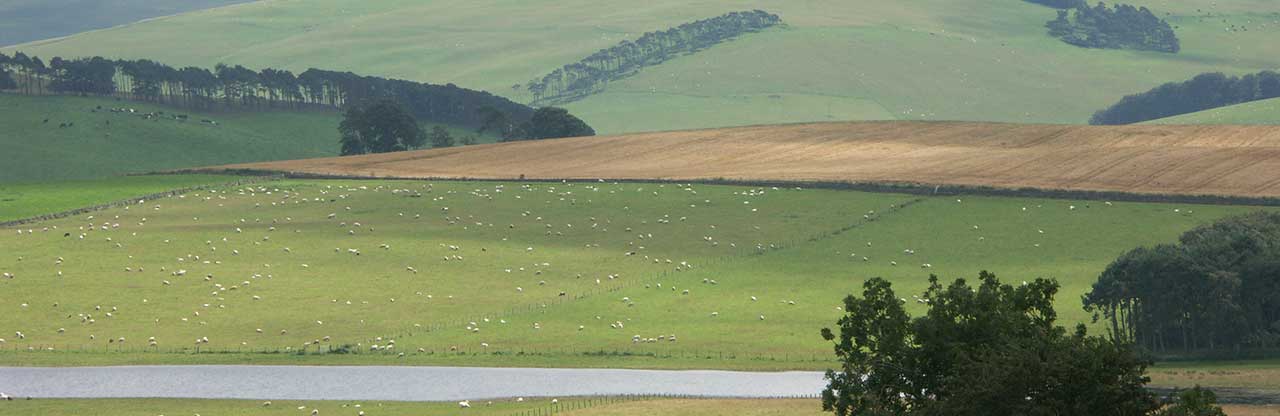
(562, 406)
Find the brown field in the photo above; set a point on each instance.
(1187, 160)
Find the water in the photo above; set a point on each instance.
(391, 383)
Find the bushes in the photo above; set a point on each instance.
(1122, 27)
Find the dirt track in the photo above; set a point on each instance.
(1192, 160)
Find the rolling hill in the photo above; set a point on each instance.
(1187, 160)
(97, 143)
(1256, 112)
(28, 20)
(834, 60)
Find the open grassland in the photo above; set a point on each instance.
(101, 143)
(29, 20)
(558, 275)
(30, 199)
(929, 59)
(94, 142)
(568, 406)
(1186, 160)
(1256, 112)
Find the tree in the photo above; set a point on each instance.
(1195, 402)
(440, 137)
(379, 126)
(993, 349)
(553, 122)
(6, 80)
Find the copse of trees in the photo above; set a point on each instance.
(1218, 288)
(379, 126)
(593, 73)
(1121, 27)
(551, 122)
(237, 87)
(989, 349)
(1203, 92)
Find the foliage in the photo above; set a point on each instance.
(6, 80)
(989, 349)
(440, 137)
(1195, 402)
(552, 122)
(1216, 288)
(593, 73)
(379, 126)
(1204, 91)
(1124, 27)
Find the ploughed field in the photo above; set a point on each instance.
(1189, 160)
(525, 274)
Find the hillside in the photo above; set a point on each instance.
(28, 20)
(102, 143)
(835, 60)
(1256, 112)
(1227, 160)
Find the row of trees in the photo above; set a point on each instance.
(984, 349)
(593, 73)
(1203, 92)
(1121, 27)
(237, 87)
(1217, 288)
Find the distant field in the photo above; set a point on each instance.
(506, 407)
(471, 264)
(1187, 160)
(102, 143)
(28, 20)
(25, 200)
(1257, 112)
(836, 60)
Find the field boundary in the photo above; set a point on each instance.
(910, 188)
(130, 201)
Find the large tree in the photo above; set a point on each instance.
(440, 137)
(379, 126)
(990, 349)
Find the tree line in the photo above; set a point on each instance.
(1121, 27)
(237, 87)
(384, 125)
(1203, 92)
(1218, 288)
(593, 73)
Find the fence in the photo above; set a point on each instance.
(562, 406)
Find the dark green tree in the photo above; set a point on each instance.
(1195, 402)
(553, 122)
(991, 349)
(6, 80)
(379, 126)
(440, 137)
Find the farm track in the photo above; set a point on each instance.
(1232, 161)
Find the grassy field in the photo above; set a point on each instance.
(28, 20)
(569, 406)
(100, 143)
(472, 272)
(1256, 112)
(929, 59)
(29, 199)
